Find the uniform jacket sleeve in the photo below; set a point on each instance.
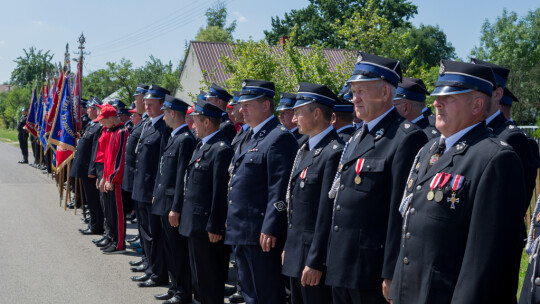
(218, 212)
(279, 163)
(95, 143)
(401, 165)
(117, 152)
(184, 155)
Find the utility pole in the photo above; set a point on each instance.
(82, 41)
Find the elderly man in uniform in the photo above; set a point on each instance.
(460, 218)
(364, 238)
(169, 197)
(153, 139)
(342, 118)
(219, 97)
(286, 113)
(410, 100)
(23, 136)
(309, 207)
(256, 219)
(205, 205)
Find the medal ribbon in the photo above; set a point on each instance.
(445, 178)
(435, 181)
(359, 165)
(303, 175)
(457, 182)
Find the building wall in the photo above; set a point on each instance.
(190, 78)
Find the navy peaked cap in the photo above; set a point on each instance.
(460, 77)
(372, 67)
(311, 92)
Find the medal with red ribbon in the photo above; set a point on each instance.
(359, 166)
(434, 182)
(456, 184)
(445, 178)
(302, 177)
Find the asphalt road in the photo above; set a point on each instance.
(43, 257)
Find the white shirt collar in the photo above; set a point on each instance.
(261, 125)
(314, 141)
(293, 129)
(245, 126)
(489, 119)
(374, 122)
(417, 118)
(344, 127)
(454, 138)
(155, 119)
(208, 137)
(177, 129)
(144, 115)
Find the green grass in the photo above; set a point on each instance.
(9, 135)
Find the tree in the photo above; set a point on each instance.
(514, 43)
(32, 67)
(215, 31)
(312, 25)
(11, 104)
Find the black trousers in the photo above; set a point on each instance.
(23, 143)
(319, 294)
(177, 260)
(115, 216)
(209, 268)
(128, 201)
(342, 295)
(91, 197)
(156, 258)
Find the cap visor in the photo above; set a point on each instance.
(283, 107)
(244, 98)
(447, 90)
(358, 78)
(302, 102)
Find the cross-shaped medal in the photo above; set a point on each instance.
(454, 200)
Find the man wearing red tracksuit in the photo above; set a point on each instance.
(113, 172)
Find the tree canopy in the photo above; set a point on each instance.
(215, 30)
(32, 67)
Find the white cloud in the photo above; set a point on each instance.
(1, 58)
(2, 42)
(240, 17)
(38, 22)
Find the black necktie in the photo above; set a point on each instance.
(305, 152)
(438, 153)
(364, 131)
(199, 145)
(247, 138)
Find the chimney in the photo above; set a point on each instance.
(283, 40)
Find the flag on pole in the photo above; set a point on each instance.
(46, 106)
(63, 131)
(56, 91)
(32, 113)
(77, 98)
(40, 118)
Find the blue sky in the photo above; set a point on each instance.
(116, 29)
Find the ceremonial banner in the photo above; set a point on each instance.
(63, 130)
(53, 110)
(32, 114)
(77, 98)
(39, 119)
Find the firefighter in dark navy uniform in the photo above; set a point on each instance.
(461, 224)
(285, 111)
(23, 136)
(309, 207)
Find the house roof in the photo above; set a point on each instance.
(209, 53)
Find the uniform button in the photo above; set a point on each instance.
(237, 164)
(408, 235)
(137, 161)
(419, 187)
(290, 226)
(206, 213)
(406, 261)
(413, 211)
(136, 170)
(290, 211)
(292, 196)
(346, 167)
(292, 184)
(368, 167)
(230, 202)
(262, 213)
(251, 160)
(230, 188)
(159, 185)
(336, 228)
(341, 187)
(537, 281)
(338, 207)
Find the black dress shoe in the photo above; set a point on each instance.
(174, 300)
(229, 290)
(23, 161)
(142, 278)
(164, 296)
(95, 241)
(104, 243)
(236, 298)
(140, 268)
(136, 263)
(151, 283)
(133, 239)
(89, 232)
